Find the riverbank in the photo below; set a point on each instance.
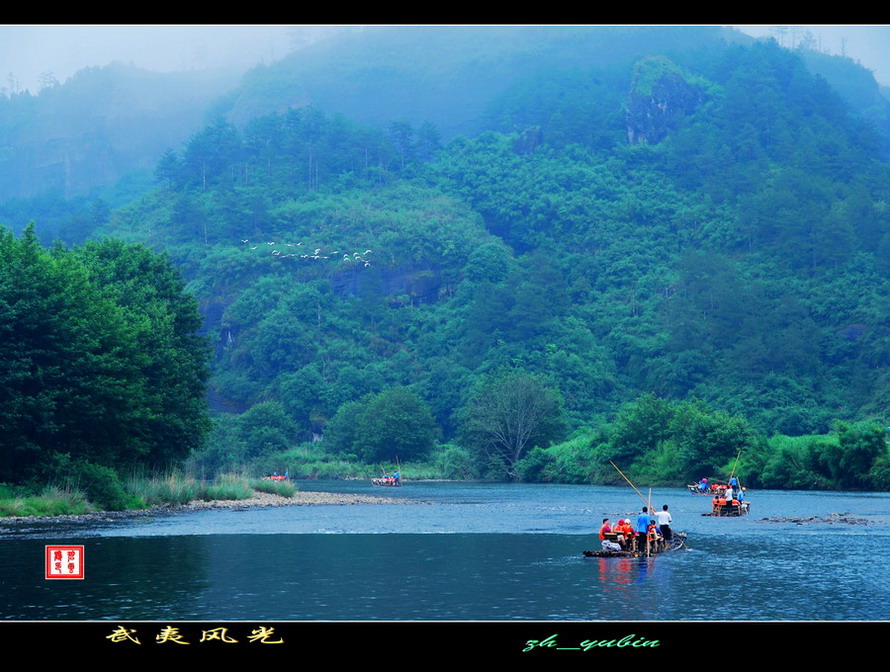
(300, 498)
(259, 500)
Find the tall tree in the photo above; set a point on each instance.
(166, 321)
(100, 358)
(396, 424)
(509, 414)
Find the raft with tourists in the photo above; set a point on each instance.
(387, 482)
(393, 480)
(730, 500)
(651, 536)
(676, 542)
(723, 505)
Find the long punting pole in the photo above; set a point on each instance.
(629, 483)
(735, 466)
(647, 529)
(642, 496)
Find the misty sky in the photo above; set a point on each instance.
(870, 45)
(29, 51)
(26, 52)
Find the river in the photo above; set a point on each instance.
(462, 552)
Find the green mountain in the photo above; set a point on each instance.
(605, 213)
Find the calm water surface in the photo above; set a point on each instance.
(445, 551)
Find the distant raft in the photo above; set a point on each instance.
(677, 542)
(736, 508)
(387, 481)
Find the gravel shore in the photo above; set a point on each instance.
(259, 499)
(299, 499)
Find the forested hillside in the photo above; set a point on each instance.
(663, 256)
(98, 127)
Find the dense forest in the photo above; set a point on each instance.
(673, 257)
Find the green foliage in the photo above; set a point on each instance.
(52, 501)
(455, 463)
(226, 487)
(395, 424)
(649, 72)
(265, 429)
(509, 414)
(571, 461)
(342, 432)
(705, 439)
(853, 457)
(169, 489)
(166, 321)
(790, 464)
(640, 427)
(674, 442)
(101, 485)
(880, 473)
(103, 360)
(280, 488)
(740, 261)
(859, 448)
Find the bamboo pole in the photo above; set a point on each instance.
(735, 466)
(649, 507)
(642, 496)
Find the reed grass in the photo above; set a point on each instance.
(227, 486)
(52, 501)
(170, 489)
(281, 488)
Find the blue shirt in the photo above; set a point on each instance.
(643, 523)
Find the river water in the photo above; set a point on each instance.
(465, 552)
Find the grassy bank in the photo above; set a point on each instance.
(138, 492)
(50, 501)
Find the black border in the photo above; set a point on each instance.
(695, 643)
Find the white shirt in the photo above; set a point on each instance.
(663, 517)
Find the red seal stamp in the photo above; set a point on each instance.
(64, 562)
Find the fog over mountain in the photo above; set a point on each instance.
(29, 52)
(870, 45)
(673, 241)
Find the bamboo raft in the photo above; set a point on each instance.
(677, 542)
(391, 483)
(740, 509)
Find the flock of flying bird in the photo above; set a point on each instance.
(357, 257)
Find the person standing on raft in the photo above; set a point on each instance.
(664, 523)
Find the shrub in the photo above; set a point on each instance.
(456, 463)
(101, 484)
